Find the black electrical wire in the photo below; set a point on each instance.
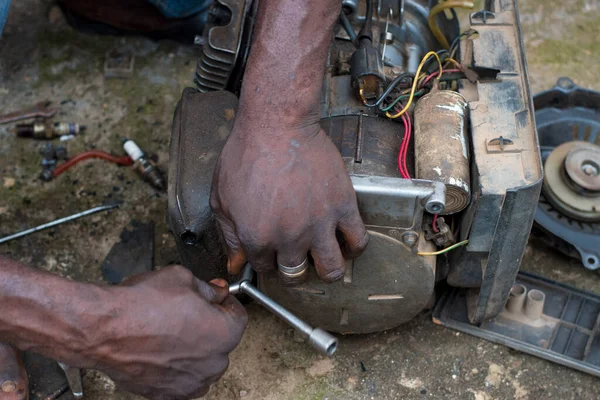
(391, 86)
(347, 26)
(366, 31)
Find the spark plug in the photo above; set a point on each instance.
(146, 168)
(42, 130)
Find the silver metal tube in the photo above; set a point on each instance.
(321, 340)
(275, 308)
(57, 222)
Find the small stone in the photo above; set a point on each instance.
(351, 383)
(320, 367)
(243, 393)
(9, 182)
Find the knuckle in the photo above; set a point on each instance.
(363, 240)
(330, 268)
(182, 272)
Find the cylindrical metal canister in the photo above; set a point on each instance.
(441, 145)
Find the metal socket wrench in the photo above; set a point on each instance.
(321, 340)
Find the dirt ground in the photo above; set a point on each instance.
(42, 58)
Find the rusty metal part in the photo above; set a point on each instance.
(39, 110)
(150, 173)
(43, 130)
(14, 383)
(443, 237)
(441, 145)
(565, 162)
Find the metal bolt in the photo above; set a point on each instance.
(389, 37)
(9, 386)
(590, 168)
(199, 40)
(410, 238)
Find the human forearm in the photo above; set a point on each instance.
(285, 70)
(50, 315)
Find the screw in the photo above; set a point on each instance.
(410, 238)
(199, 40)
(9, 386)
(589, 168)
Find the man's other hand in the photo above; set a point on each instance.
(280, 194)
(171, 334)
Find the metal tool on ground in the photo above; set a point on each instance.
(45, 131)
(74, 380)
(14, 383)
(58, 222)
(142, 164)
(323, 341)
(50, 156)
(39, 110)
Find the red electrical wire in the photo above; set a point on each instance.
(406, 144)
(124, 160)
(433, 75)
(401, 156)
(434, 225)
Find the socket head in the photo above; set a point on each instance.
(323, 341)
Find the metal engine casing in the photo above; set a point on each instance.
(389, 283)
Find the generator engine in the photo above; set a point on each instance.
(432, 114)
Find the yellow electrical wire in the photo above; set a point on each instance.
(435, 29)
(447, 249)
(415, 82)
(453, 61)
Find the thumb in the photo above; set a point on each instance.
(216, 291)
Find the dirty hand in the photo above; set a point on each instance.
(280, 193)
(171, 335)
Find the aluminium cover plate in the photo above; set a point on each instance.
(569, 336)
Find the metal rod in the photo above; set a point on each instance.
(58, 222)
(319, 339)
(275, 308)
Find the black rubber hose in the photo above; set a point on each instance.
(345, 22)
(366, 32)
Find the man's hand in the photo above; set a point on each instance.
(164, 335)
(279, 195)
(280, 188)
(171, 336)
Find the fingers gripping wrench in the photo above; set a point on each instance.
(323, 341)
